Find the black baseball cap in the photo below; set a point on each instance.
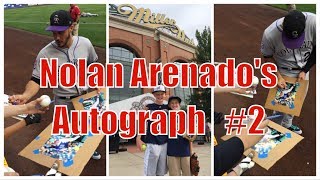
(174, 97)
(60, 21)
(293, 33)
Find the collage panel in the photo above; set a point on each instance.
(66, 32)
(284, 34)
(160, 33)
(65, 113)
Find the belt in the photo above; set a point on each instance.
(292, 69)
(71, 97)
(67, 97)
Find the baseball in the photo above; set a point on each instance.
(45, 100)
(255, 80)
(143, 147)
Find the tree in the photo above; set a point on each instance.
(202, 97)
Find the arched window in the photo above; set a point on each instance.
(123, 56)
(183, 93)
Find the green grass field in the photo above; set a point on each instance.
(300, 7)
(36, 19)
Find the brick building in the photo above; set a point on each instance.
(140, 33)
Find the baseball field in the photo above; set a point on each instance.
(237, 33)
(301, 7)
(20, 50)
(36, 19)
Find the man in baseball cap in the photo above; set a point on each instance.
(293, 29)
(290, 43)
(60, 21)
(61, 27)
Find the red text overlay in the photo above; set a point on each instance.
(185, 75)
(147, 75)
(247, 119)
(129, 123)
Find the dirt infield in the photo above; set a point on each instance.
(238, 31)
(21, 49)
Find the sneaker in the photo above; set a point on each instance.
(244, 165)
(295, 129)
(54, 169)
(96, 156)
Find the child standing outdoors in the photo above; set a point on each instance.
(155, 157)
(179, 149)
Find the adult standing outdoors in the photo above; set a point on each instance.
(75, 15)
(290, 43)
(67, 48)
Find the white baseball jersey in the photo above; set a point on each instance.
(272, 46)
(80, 48)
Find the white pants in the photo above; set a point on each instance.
(155, 160)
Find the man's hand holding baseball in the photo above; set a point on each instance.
(34, 107)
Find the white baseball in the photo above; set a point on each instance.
(255, 80)
(45, 100)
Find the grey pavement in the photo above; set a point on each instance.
(130, 163)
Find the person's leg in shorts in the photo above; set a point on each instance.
(174, 166)
(185, 166)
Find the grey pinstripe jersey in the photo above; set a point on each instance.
(80, 48)
(272, 45)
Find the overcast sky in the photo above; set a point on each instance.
(188, 17)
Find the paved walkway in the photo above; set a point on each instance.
(130, 163)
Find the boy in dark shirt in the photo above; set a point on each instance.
(179, 149)
(155, 157)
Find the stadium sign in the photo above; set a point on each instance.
(156, 21)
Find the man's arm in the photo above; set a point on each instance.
(311, 61)
(14, 128)
(229, 90)
(30, 119)
(32, 107)
(281, 82)
(267, 51)
(31, 89)
(272, 60)
(14, 110)
(191, 148)
(228, 153)
(139, 142)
